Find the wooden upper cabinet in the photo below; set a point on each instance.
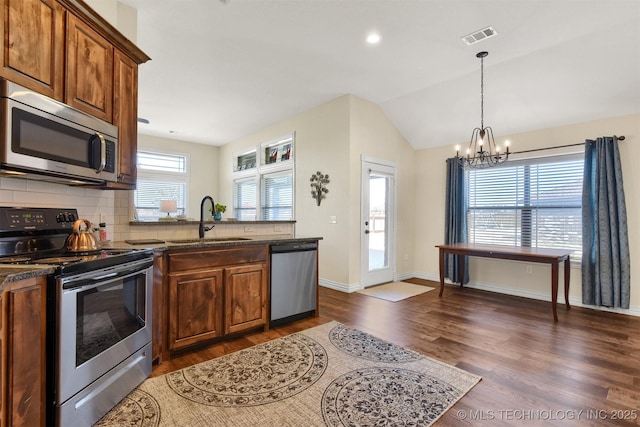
(125, 115)
(89, 70)
(33, 45)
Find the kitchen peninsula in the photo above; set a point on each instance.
(212, 288)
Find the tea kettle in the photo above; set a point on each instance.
(81, 240)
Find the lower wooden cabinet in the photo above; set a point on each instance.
(214, 292)
(22, 344)
(245, 297)
(195, 304)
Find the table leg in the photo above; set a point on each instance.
(567, 275)
(461, 259)
(554, 288)
(441, 271)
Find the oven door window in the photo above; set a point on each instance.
(107, 315)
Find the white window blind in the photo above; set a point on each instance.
(162, 162)
(161, 176)
(245, 199)
(277, 196)
(264, 191)
(531, 203)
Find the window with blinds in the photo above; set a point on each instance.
(532, 203)
(245, 199)
(161, 176)
(265, 192)
(277, 196)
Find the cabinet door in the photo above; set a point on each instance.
(89, 70)
(26, 336)
(195, 307)
(125, 116)
(33, 45)
(245, 297)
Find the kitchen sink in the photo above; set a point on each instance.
(209, 239)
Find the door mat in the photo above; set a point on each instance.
(396, 291)
(329, 375)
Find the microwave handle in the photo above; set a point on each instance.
(103, 153)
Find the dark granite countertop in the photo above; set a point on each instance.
(208, 242)
(12, 272)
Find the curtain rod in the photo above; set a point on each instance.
(620, 138)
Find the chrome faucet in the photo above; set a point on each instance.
(202, 228)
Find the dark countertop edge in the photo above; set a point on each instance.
(12, 273)
(254, 240)
(223, 222)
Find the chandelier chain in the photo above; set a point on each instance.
(482, 93)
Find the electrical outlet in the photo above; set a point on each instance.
(333, 219)
(248, 229)
(529, 269)
(277, 228)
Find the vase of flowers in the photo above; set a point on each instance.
(219, 211)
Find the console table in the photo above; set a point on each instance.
(547, 256)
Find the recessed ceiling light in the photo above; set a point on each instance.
(373, 38)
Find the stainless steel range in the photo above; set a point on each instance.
(98, 314)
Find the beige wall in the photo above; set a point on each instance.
(509, 276)
(373, 135)
(332, 138)
(121, 16)
(321, 144)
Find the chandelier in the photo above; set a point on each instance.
(483, 151)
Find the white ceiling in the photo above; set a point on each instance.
(220, 72)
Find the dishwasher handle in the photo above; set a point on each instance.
(294, 247)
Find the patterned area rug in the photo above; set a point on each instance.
(396, 291)
(329, 375)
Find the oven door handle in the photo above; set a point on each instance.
(93, 282)
(106, 276)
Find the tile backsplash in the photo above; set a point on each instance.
(115, 208)
(94, 205)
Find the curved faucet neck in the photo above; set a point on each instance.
(202, 228)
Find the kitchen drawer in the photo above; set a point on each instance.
(198, 258)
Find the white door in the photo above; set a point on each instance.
(378, 228)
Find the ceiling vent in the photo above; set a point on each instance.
(478, 36)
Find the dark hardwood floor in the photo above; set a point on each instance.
(583, 370)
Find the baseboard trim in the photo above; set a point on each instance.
(576, 302)
(342, 287)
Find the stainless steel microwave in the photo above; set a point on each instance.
(44, 139)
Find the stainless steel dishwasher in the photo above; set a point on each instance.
(294, 279)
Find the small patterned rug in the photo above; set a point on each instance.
(329, 375)
(396, 291)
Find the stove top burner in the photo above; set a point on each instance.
(38, 236)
